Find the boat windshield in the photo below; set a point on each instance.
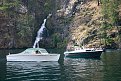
(43, 51)
(32, 50)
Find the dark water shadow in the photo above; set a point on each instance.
(76, 57)
(3, 69)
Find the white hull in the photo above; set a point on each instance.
(48, 57)
(33, 54)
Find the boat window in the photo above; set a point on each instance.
(43, 51)
(88, 50)
(26, 52)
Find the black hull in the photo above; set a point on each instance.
(96, 54)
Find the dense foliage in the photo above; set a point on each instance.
(24, 18)
(110, 21)
(21, 19)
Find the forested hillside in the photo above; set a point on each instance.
(20, 21)
(73, 22)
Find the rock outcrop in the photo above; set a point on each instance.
(77, 21)
(83, 21)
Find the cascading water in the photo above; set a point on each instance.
(40, 32)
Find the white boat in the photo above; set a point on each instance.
(33, 54)
(84, 53)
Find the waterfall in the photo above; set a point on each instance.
(40, 32)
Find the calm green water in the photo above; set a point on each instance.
(108, 68)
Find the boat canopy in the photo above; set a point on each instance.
(31, 50)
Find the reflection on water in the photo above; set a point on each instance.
(2, 70)
(84, 69)
(29, 71)
(108, 68)
(112, 66)
(70, 70)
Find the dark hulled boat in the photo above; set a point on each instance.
(84, 53)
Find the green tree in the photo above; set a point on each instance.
(105, 23)
(110, 17)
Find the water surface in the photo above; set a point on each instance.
(108, 68)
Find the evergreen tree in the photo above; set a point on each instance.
(110, 17)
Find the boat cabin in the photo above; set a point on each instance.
(35, 50)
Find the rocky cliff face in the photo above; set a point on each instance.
(82, 21)
(21, 19)
(72, 22)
